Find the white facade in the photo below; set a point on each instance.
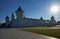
(21, 21)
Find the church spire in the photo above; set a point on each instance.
(19, 9)
(7, 20)
(12, 16)
(19, 13)
(7, 17)
(52, 19)
(41, 18)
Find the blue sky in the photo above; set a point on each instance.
(32, 8)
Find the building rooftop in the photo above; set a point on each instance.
(19, 9)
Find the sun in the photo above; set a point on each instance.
(54, 9)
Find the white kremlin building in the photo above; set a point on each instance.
(22, 21)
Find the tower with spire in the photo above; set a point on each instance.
(7, 21)
(19, 13)
(41, 18)
(12, 16)
(52, 20)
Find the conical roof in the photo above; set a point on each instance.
(41, 18)
(19, 9)
(7, 17)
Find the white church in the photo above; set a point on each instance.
(22, 21)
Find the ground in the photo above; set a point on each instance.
(49, 31)
(15, 33)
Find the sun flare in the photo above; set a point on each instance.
(54, 9)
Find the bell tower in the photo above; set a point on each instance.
(19, 13)
(7, 20)
(12, 16)
(52, 19)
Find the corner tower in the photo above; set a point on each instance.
(52, 19)
(19, 13)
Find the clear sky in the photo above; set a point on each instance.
(32, 8)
